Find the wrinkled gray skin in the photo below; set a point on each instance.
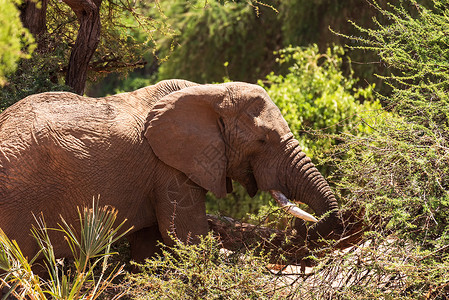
(152, 154)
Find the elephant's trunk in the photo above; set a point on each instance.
(305, 184)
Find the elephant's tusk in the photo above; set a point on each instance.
(290, 207)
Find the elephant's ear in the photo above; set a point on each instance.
(184, 132)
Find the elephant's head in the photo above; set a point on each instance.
(214, 133)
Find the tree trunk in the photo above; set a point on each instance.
(88, 14)
(33, 16)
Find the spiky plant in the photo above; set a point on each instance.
(90, 246)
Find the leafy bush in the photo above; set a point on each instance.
(127, 30)
(204, 271)
(15, 41)
(36, 75)
(236, 39)
(315, 95)
(380, 268)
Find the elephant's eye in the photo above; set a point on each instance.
(263, 140)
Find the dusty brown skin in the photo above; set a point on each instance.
(153, 154)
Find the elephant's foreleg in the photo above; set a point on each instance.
(181, 210)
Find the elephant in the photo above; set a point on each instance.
(152, 154)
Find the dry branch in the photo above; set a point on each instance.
(286, 247)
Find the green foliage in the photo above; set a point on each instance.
(36, 75)
(397, 175)
(127, 30)
(115, 84)
(90, 248)
(404, 161)
(315, 95)
(18, 274)
(300, 16)
(415, 46)
(15, 41)
(217, 39)
(204, 271)
(212, 40)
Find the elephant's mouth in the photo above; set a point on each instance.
(291, 207)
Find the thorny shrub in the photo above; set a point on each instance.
(205, 271)
(398, 174)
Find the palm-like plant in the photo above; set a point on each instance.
(90, 246)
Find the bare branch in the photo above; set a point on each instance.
(286, 247)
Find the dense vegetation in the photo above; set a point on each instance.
(384, 150)
(15, 41)
(398, 174)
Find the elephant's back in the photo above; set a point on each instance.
(62, 114)
(57, 150)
